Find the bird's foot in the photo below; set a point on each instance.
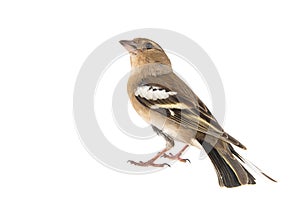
(176, 157)
(149, 163)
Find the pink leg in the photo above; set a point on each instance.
(151, 161)
(177, 156)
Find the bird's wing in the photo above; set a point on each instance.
(171, 97)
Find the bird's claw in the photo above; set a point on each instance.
(175, 157)
(148, 164)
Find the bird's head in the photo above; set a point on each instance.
(144, 51)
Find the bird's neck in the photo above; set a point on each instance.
(151, 69)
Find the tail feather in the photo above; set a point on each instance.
(250, 164)
(231, 173)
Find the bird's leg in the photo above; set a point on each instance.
(151, 161)
(177, 156)
(169, 144)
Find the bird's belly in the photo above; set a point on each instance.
(181, 134)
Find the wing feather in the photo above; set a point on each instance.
(180, 105)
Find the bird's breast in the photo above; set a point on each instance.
(140, 109)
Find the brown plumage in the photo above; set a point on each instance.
(175, 112)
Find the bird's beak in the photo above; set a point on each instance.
(129, 45)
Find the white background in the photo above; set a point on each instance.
(255, 46)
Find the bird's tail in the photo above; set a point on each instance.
(228, 165)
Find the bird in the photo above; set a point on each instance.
(176, 113)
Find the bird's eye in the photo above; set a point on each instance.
(149, 46)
